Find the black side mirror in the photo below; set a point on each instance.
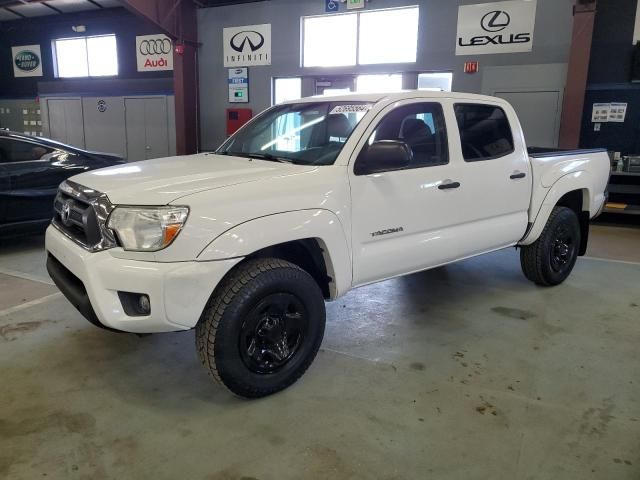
(383, 156)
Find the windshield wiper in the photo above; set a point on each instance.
(259, 156)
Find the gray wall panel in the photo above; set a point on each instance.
(104, 130)
(436, 49)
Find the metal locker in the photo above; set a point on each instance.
(66, 123)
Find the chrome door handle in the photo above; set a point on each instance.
(517, 176)
(448, 185)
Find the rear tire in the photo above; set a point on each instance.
(550, 259)
(262, 327)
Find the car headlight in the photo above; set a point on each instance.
(147, 229)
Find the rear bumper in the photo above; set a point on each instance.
(91, 281)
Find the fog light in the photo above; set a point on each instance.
(145, 304)
(135, 304)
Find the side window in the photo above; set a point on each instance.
(19, 151)
(484, 132)
(422, 127)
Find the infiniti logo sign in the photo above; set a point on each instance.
(495, 21)
(247, 45)
(241, 40)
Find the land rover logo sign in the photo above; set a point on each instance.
(247, 46)
(26, 61)
(500, 27)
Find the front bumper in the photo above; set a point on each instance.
(178, 291)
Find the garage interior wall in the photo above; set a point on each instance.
(106, 131)
(610, 78)
(436, 50)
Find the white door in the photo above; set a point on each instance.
(465, 193)
(496, 180)
(400, 218)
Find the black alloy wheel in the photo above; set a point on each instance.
(273, 332)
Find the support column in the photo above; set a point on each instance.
(575, 90)
(178, 20)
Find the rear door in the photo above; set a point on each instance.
(496, 180)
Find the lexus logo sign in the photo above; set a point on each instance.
(495, 21)
(247, 41)
(154, 53)
(500, 27)
(247, 46)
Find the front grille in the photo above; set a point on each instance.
(81, 214)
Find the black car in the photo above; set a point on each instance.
(31, 168)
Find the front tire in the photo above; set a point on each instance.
(550, 259)
(262, 327)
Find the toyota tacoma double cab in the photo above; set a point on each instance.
(311, 199)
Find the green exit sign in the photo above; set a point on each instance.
(353, 4)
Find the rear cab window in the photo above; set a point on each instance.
(485, 133)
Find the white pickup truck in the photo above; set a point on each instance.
(309, 200)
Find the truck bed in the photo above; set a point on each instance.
(541, 152)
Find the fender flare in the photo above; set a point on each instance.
(573, 181)
(254, 235)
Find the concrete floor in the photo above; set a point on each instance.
(464, 372)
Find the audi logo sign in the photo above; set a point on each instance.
(499, 27)
(247, 46)
(154, 52)
(155, 46)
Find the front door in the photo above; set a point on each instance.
(34, 172)
(401, 218)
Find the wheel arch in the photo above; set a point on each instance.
(312, 239)
(571, 191)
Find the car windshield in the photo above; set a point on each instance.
(301, 133)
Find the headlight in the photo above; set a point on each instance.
(147, 229)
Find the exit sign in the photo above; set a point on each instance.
(353, 4)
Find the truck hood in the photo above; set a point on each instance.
(165, 180)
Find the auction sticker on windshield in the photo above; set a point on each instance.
(358, 108)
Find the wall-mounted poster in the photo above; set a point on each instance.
(27, 61)
(618, 112)
(600, 112)
(499, 27)
(154, 53)
(247, 46)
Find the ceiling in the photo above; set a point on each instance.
(17, 9)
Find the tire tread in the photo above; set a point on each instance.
(223, 295)
(533, 257)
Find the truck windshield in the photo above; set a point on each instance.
(301, 133)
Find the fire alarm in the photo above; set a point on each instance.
(180, 49)
(471, 67)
